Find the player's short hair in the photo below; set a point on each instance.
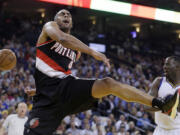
(176, 59)
(55, 17)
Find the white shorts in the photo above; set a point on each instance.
(161, 131)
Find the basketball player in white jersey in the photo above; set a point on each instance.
(14, 123)
(58, 93)
(164, 87)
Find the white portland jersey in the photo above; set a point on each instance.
(14, 125)
(162, 120)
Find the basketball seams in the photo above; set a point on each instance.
(8, 63)
(6, 54)
(10, 57)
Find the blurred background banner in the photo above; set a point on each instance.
(123, 8)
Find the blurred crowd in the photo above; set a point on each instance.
(112, 116)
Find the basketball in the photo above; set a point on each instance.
(7, 59)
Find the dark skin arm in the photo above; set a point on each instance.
(154, 92)
(51, 29)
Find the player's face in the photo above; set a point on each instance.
(169, 67)
(64, 19)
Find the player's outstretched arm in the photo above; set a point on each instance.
(51, 29)
(154, 92)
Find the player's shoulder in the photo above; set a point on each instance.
(50, 23)
(158, 79)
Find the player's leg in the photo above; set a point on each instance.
(39, 126)
(45, 115)
(126, 92)
(76, 95)
(43, 121)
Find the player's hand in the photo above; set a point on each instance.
(78, 55)
(101, 57)
(171, 104)
(30, 92)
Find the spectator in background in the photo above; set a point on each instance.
(146, 121)
(3, 106)
(109, 126)
(4, 116)
(131, 129)
(149, 132)
(61, 129)
(86, 130)
(122, 129)
(122, 120)
(104, 106)
(73, 129)
(14, 123)
(97, 127)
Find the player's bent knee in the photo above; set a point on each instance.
(111, 85)
(108, 83)
(102, 87)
